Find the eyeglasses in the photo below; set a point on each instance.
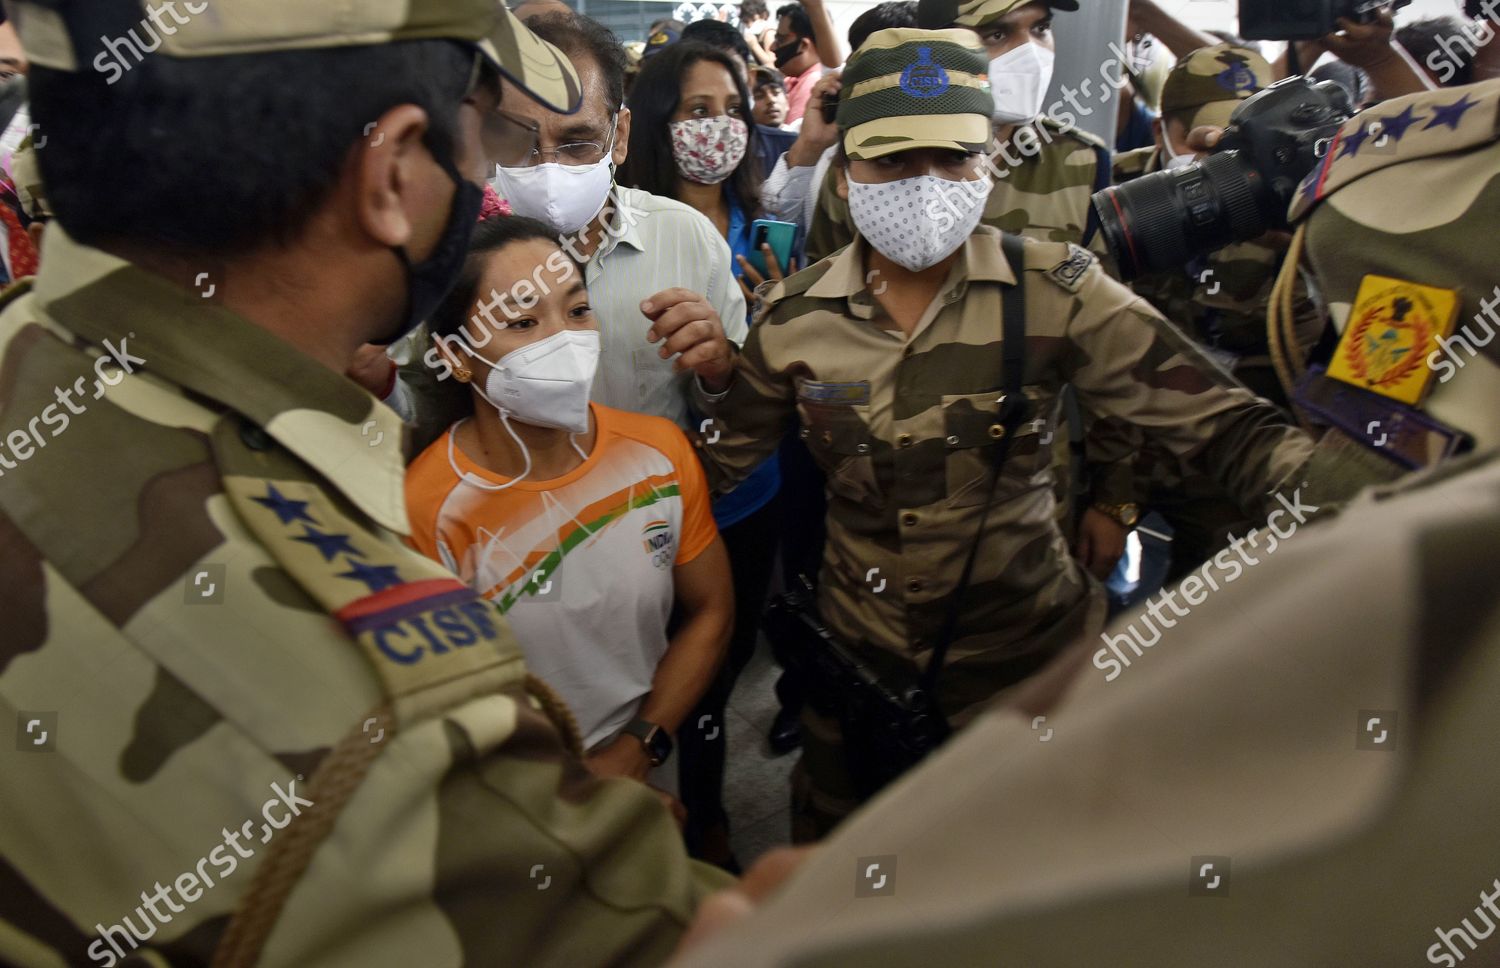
(576, 153)
(509, 140)
(573, 153)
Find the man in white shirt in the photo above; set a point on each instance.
(636, 248)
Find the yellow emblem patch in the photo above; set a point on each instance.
(1394, 326)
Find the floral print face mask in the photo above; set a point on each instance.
(708, 150)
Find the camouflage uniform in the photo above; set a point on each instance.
(903, 435)
(210, 617)
(1220, 301)
(1244, 740)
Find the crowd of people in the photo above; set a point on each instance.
(456, 422)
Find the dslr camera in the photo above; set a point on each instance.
(1305, 19)
(1243, 190)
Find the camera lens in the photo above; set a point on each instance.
(1162, 221)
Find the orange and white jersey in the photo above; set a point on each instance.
(581, 565)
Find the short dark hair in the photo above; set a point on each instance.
(762, 76)
(750, 9)
(576, 35)
(1423, 39)
(716, 33)
(650, 165)
(210, 181)
(797, 19)
(490, 236)
(895, 13)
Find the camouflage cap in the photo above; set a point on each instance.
(27, 175)
(937, 14)
(1207, 85)
(908, 88)
(73, 36)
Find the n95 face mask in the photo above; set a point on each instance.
(547, 383)
(1018, 82)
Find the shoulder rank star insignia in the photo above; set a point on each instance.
(1397, 126)
(1392, 329)
(287, 510)
(1451, 114)
(1354, 141)
(377, 577)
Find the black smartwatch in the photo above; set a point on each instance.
(656, 740)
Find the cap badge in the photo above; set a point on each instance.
(1237, 76)
(923, 78)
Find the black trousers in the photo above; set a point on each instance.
(704, 737)
(804, 528)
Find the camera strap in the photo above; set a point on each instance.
(1014, 409)
(1104, 175)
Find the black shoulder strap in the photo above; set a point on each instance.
(1014, 411)
(1103, 176)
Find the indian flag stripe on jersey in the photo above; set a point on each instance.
(609, 510)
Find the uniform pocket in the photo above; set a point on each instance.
(972, 430)
(840, 440)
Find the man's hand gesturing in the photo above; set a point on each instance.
(689, 328)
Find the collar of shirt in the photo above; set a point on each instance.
(980, 259)
(809, 76)
(622, 227)
(186, 339)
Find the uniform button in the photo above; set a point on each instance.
(903, 440)
(953, 440)
(914, 586)
(803, 433)
(997, 431)
(254, 437)
(863, 449)
(909, 519)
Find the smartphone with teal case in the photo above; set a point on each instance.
(779, 235)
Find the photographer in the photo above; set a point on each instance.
(1219, 300)
(889, 358)
(1368, 46)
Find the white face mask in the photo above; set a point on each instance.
(918, 222)
(1172, 160)
(1018, 81)
(546, 383)
(566, 197)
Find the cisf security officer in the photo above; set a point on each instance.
(206, 600)
(1310, 732)
(888, 358)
